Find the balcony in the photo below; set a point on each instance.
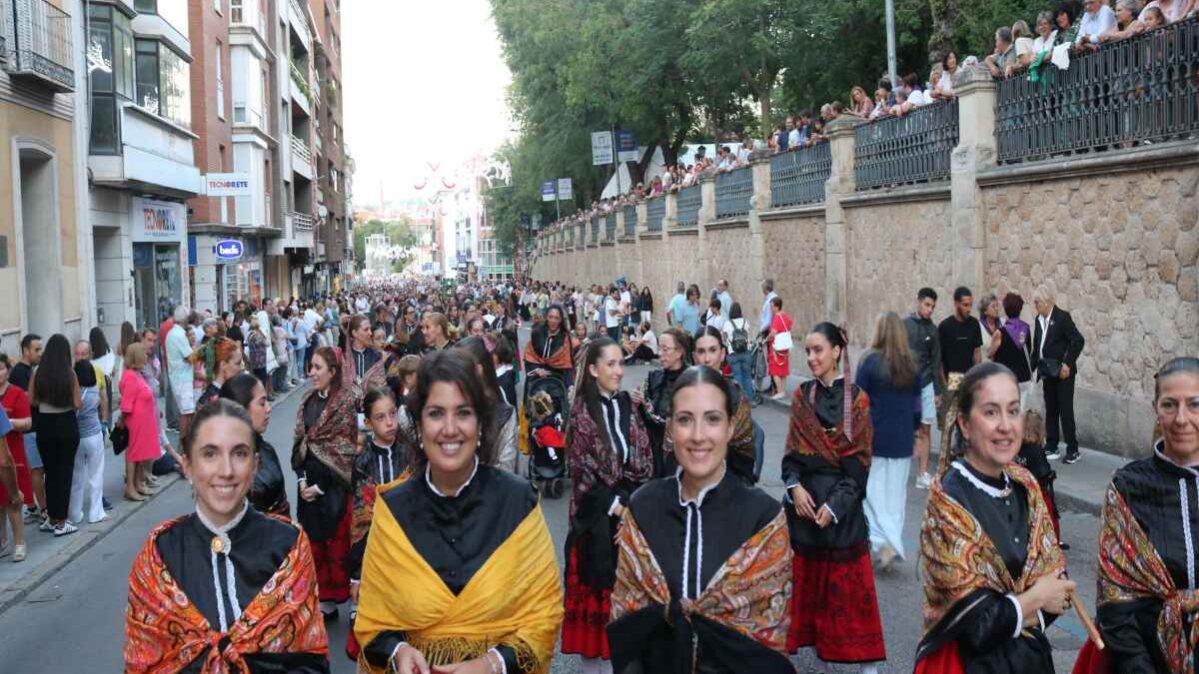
(248, 14)
(41, 48)
(155, 156)
(303, 222)
(301, 158)
(301, 93)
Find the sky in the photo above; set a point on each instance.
(425, 82)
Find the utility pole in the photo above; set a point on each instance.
(892, 66)
(616, 162)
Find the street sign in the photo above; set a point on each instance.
(229, 250)
(626, 145)
(601, 148)
(548, 192)
(227, 184)
(564, 189)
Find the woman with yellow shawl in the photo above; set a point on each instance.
(703, 578)
(226, 588)
(1147, 579)
(991, 562)
(459, 573)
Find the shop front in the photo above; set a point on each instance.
(158, 231)
(226, 269)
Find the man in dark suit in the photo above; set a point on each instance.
(1057, 343)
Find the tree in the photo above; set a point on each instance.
(399, 232)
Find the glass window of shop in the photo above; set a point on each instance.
(163, 82)
(156, 282)
(173, 12)
(110, 69)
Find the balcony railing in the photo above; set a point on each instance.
(42, 44)
(301, 83)
(904, 150)
(655, 210)
(300, 150)
(1143, 89)
(798, 177)
(595, 229)
(734, 191)
(630, 221)
(303, 222)
(690, 199)
(610, 227)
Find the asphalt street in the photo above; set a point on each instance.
(74, 621)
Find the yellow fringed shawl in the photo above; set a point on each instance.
(514, 599)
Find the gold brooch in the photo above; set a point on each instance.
(221, 544)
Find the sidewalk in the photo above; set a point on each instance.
(1080, 487)
(47, 554)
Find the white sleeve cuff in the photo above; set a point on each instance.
(1019, 616)
(787, 492)
(503, 665)
(612, 508)
(396, 650)
(318, 490)
(831, 513)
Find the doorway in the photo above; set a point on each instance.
(36, 202)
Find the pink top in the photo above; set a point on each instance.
(140, 412)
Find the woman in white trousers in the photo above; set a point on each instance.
(87, 481)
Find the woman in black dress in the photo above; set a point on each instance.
(269, 492)
(653, 398)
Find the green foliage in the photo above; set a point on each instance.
(675, 71)
(398, 231)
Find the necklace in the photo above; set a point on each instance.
(983, 486)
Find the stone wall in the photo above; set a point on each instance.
(894, 248)
(1115, 235)
(1119, 252)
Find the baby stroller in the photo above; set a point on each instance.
(546, 407)
(759, 371)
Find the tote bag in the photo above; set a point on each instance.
(782, 341)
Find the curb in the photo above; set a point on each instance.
(21, 589)
(1065, 499)
(17, 592)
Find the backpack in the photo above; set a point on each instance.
(740, 338)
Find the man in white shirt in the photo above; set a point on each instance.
(612, 314)
(674, 310)
(1096, 20)
(767, 314)
(626, 302)
(726, 300)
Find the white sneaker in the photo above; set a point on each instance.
(1053, 454)
(64, 529)
(924, 481)
(45, 525)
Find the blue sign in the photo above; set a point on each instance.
(549, 190)
(229, 250)
(626, 145)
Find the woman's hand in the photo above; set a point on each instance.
(804, 505)
(824, 516)
(540, 372)
(408, 660)
(483, 665)
(310, 494)
(1051, 594)
(637, 396)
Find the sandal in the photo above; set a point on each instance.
(135, 497)
(18, 553)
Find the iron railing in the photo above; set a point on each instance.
(42, 43)
(798, 177)
(734, 192)
(300, 149)
(630, 221)
(610, 227)
(595, 226)
(655, 210)
(689, 200)
(1145, 88)
(914, 148)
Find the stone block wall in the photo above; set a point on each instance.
(892, 250)
(1119, 251)
(727, 250)
(794, 257)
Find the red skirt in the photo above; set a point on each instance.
(945, 660)
(332, 559)
(835, 609)
(1091, 660)
(16, 448)
(584, 630)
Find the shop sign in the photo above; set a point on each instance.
(227, 184)
(229, 250)
(155, 220)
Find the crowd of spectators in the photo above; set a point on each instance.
(1059, 34)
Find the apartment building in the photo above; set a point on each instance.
(140, 158)
(333, 228)
(44, 259)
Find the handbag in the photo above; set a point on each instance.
(119, 435)
(1049, 368)
(782, 341)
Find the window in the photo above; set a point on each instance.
(173, 12)
(216, 6)
(110, 66)
(163, 82)
(236, 12)
(220, 82)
